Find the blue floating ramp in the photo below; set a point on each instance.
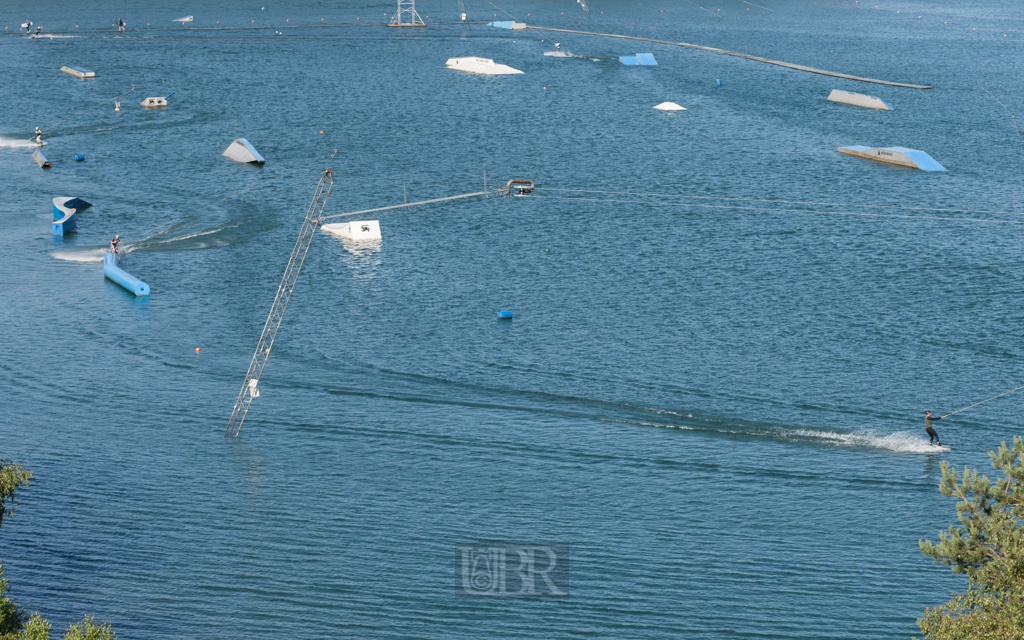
(64, 212)
(902, 156)
(508, 24)
(113, 272)
(640, 59)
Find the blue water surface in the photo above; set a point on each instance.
(710, 399)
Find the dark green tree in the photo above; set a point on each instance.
(988, 547)
(12, 477)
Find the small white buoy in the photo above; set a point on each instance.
(669, 106)
(117, 106)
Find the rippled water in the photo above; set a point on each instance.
(711, 407)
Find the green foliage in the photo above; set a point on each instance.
(988, 547)
(37, 628)
(12, 477)
(11, 615)
(87, 629)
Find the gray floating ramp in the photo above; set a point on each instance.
(78, 72)
(241, 151)
(40, 159)
(895, 155)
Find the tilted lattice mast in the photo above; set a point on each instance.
(284, 294)
(406, 10)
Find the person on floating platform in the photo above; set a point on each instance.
(28, 26)
(932, 435)
(115, 243)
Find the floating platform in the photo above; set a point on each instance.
(153, 102)
(79, 72)
(113, 272)
(355, 229)
(64, 212)
(640, 59)
(183, 20)
(669, 106)
(858, 100)
(486, 66)
(902, 156)
(40, 159)
(241, 151)
(508, 24)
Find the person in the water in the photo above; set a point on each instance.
(932, 435)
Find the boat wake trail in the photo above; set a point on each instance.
(92, 255)
(901, 441)
(7, 142)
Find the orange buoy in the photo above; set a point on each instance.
(197, 349)
(321, 132)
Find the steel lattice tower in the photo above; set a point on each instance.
(407, 9)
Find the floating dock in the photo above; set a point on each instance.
(241, 151)
(183, 20)
(40, 159)
(153, 102)
(65, 210)
(354, 230)
(669, 106)
(485, 66)
(859, 100)
(130, 283)
(902, 156)
(79, 72)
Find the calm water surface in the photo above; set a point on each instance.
(711, 406)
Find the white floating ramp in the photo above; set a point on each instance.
(183, 20)
(485, 66)
(355, 229)
(40, 159)
(64, 211)
(859, 100)
(79, 72)
(669, 106)
(895, 155)
(241, 151)
(508, 24)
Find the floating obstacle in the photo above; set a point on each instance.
(895, 155)
(241, 151)
(116, 274)
(183, 20)
(508, 24)
(40, 159)
(485, 66)
(64, 211)
(669, 106)
(640, 59)
(79, 158)
(858, 100)
(79, 72)
(355, 229)
(157, 101)
(504, 315)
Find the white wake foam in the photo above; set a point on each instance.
(16, 143)
(81, 255)
(901, 441)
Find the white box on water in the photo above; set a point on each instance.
(858, 100)
(355, 229)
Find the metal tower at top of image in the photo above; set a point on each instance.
(406, 10)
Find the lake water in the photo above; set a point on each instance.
(709, 405)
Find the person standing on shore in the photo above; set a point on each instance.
(932, 435)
